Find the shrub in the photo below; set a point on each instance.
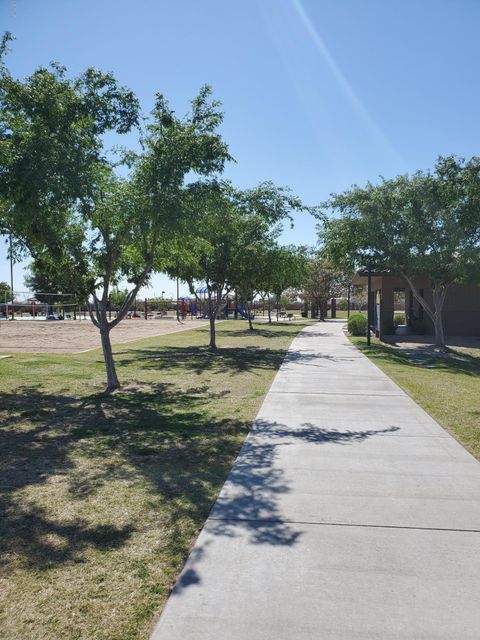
(357, 324)
(398, 318)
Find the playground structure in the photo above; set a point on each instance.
(49, 306)
(229, 306)
(33, 306)
(27, 306)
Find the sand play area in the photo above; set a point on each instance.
(74, 336)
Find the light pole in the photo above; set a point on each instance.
(178, 295)
(369, 306)
(11, 279)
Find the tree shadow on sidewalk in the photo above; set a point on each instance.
(248, 506)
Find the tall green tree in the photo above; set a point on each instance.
(427, 224)
(281, 268)
(223, 237)
(51, 142)
(52, 281)
(322, 281)
(60, 195)
(5, 292)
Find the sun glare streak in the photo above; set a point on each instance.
(346, 87)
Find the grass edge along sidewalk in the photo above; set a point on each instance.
(101, 498)
(446, 383)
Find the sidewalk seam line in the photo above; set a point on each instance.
(344, 524)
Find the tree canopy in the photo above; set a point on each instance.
(62, 198)
(322, 281)
(425, 224)
(5, 292)
(225, 236)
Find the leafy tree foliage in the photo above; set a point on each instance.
(47, 277)
(322, 282)
(281, 268)
(51, 130)
(5, 292)
(225, 239)
(62, 199)
(427, 224)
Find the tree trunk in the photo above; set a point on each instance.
(438, 300)
(269, 314)
(249, 316)
(112, 379)
(321, 309)
(439, 292)
(278, 304)
(212, 313)
(213, 342)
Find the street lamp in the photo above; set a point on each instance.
(369, 306)
(11, 277)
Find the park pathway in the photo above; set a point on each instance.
(349, 513)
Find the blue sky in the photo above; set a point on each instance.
(317, 94)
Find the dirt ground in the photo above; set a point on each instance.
(74, 336)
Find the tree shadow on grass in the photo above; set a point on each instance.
(27, 532)
(262, 331)
(226, 360)
(446, 360)
(151, 433)
(154, 434)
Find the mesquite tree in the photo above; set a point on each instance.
(280, 268)
(224, 228)
(321, 282)
(269, 270)
(427, 224)
(60, 195)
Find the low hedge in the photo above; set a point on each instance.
(357, 324)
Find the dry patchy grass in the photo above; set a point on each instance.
(102, 497)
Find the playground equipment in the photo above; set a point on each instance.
(244, 313)
(228, 306)
(28, 306)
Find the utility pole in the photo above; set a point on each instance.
(11, 279)
(369, 306)
(178, 296)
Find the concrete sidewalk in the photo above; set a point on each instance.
(349, 513)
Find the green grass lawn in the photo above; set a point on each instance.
(101, 497)
(446, 384)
